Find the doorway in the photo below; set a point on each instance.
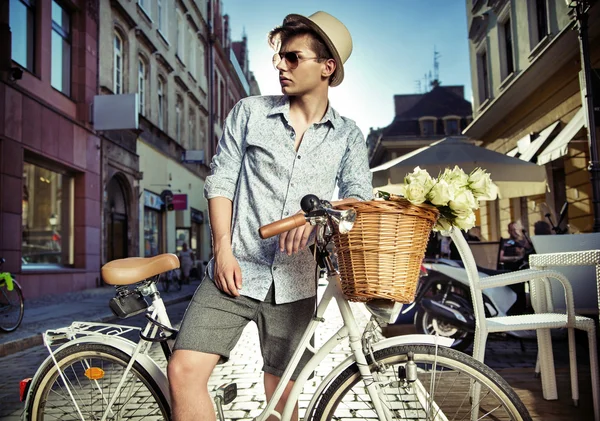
(116, 221)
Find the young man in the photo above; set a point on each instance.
(274, 150)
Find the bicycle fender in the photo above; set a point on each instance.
(121, 344)
(415, 339)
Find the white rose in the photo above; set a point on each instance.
(441, 193)
(415, 193)
(455, 177)
(463, 201)
(465, 221)
(481, 185)
(419, 176)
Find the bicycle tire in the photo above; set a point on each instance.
(50, 400)
(12, 308)
(348, 389)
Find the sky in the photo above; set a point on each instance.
(393, 48)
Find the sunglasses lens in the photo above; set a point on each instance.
(292, 59)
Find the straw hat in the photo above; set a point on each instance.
(335, 35)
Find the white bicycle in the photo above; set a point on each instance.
(95, 373)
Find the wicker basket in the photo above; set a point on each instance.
(381, 256)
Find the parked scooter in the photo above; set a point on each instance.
(443, 300)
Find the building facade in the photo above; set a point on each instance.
(50, 168)
(72, 197)
(168, 52)
(525, 70)
(419, 120)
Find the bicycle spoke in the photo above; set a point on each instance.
(443, 389)
(132, 400)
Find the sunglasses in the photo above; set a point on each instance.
(291, 59)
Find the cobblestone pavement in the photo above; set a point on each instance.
(244, 366)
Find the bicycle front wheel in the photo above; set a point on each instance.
(444, 389)
(91, 373)
(11, 308)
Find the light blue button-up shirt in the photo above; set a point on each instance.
(257, 168)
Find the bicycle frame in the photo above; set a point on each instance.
(349, 329)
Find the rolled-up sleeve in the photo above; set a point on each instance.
(226, 163)
(355, 178)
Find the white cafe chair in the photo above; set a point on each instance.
(541, 322)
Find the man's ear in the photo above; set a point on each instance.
(329, 68)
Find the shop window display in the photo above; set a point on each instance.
(46, 217)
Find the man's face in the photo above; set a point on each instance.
(304, 75)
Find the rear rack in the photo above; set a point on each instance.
(76, 330)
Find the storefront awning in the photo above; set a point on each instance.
(559, 146)
(539, 141)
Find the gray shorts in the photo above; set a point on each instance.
(214, 321)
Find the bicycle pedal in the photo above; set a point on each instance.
(227, 393)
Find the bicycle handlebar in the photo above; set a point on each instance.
(283, 225)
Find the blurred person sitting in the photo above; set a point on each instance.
(513, 249)
(474, 234)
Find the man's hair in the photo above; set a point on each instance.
(293, 28)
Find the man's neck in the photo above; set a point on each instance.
(309, 108)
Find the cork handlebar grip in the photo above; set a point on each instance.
(283, 225)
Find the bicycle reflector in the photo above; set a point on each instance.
(24, 388)
(94, 373)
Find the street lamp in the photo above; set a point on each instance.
(581, 9)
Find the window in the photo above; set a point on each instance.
(483, 76)
(142, 86)
(162, 16)
(202, 74)
(146, 6)
(192, 53)
(152, 232)
(118, 65)
(178, 117)
(47, 224)
(452, 126)
(22, 27)
(428, 126)
(506, 49)
(192, 131)
(161, 105)
(538, 21)
(221, 102)
(180, 36)
(61, 49)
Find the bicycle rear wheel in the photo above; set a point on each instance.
(443, 389)
(92, 373)
(11, 308)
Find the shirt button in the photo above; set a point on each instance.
(298, 156)
(286, 213)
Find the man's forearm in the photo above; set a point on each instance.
(220, 211)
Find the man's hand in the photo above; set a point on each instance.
(294, 240)
(228, 275)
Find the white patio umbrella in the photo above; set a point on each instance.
(514, 177)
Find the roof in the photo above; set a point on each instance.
(439, 102)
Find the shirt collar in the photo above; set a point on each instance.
(282, 106)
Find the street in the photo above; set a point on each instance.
(244, 367)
